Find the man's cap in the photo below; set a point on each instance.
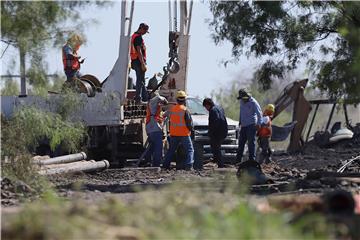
(243, 94)
(144, 26)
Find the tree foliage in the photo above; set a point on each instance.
(226, 96)
(326, 34)
(31, 26)
(10, 88)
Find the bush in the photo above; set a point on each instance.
(22, 134)
(30, 125)
(178, 212)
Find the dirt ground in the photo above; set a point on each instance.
(297, 183)
(289, 174)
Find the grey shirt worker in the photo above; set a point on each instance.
(153, 125)
(250, 113)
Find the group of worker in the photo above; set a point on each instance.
(72, 60)
(181, 128)
(252, 121)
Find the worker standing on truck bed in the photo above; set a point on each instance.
(154, 128)
(71, 59)
(217, 132)
(138, 61)
(264, 134)
(181, 126)
(250, 117)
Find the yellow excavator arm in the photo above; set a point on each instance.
(294, 93)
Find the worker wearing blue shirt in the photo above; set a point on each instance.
(250, 118)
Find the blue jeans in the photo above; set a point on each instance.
(188, 147)
(72, 73)
(248, 134)
(156, 148)
(140, 83)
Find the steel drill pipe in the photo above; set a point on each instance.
(84, 167)
(66, 165)
(63, 159)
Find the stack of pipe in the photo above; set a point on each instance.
(133, 110)
(70, 164)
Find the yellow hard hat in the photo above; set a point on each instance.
(180, 94)
(270, 108)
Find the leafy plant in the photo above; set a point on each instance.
(284, 34)
(30, 125)
(21, 134)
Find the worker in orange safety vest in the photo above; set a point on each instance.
(154, 128)
(264, 134)
(71, 59)
(181, 126)
(138, 61)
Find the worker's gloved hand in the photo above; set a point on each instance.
(143, 67)
(165, 102)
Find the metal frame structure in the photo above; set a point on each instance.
(334, 102)
(178, 81)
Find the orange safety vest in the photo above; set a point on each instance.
(133, 53)
(177, 121)
(156, 116)
(70, 64)
(265, 131)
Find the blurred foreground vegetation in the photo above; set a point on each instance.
(173, 213)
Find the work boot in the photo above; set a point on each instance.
(188, 167)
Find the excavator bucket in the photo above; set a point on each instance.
(281, 133)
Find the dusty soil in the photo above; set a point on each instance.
(289, 174)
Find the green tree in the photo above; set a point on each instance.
(326, 34)
(31, 26)
(10, 88)
(226, 96)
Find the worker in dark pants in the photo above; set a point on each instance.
(250, 118)
(217, 132)
(264, 134)
(138, 61)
